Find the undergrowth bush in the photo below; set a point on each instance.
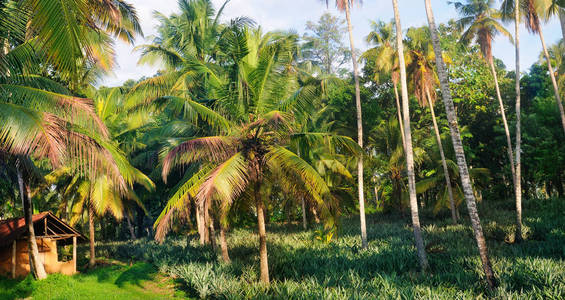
(303, 267)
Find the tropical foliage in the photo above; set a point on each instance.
(297, 136)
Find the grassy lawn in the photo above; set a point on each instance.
(139, 281)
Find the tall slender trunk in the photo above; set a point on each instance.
(408, 137)
(518, 181)
(504, 122)
(92, 260)
(562, 21)
(304, 220)
(399, 113)
(315, 214)
(459, 152)
(376, 195)
(36, 266)
(443, 161)
(303, 202)
(212, 233)
(201, 224)
(359, 130)
(130, 227)
(263, 258)
(224, 244)
(552, 76)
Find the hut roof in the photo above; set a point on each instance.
(45, 225)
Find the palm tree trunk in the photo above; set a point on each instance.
(315, 214)
(224, 244)
(459, 152)
(359, 130)
(92, 260)
(399, 113)
(553, 80)
(201, 224)
(443, 161)
(408, 137)
(562, 21)
(264, 262)
(518, 181)
(36, 266)
(504, 122)
(304, 220)
(212, 234)
(130, 227)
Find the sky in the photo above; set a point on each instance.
(293, 15)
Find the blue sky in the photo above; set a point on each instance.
(293, 14)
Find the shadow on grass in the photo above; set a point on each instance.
(15, 288)
(135, 274)
(120, 275)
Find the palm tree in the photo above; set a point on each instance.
(557, 7)
(385, 61)
(328, 161)
(518, 181)
(385, 143)
(480, 177)
(41, 118)
(345, 5)
(248, 154)
(458, 148)
(424, 80)
(481, 23)
(408, 138)
(506, 10)
(532, 12)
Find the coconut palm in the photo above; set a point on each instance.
(328, 161)
(384, 59)
(345, 6)
(409, 151)
(533, 12)
(41, 118)
(514, 13)
(96, 197)
(424, 80)
(518, 181)
(458, 149)
(480, 177)
(481, 24)
(385, 143)
(248, 154)
(184, 41)
(557, 7)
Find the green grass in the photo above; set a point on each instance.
(139, 281)
(302, 267)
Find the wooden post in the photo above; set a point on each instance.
(14, 261)
(75, 253)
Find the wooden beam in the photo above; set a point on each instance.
(14, 260)
(75, 253)
(54, 236)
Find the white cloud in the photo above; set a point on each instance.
(293, 14)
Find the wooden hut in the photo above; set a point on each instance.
(49, 230)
